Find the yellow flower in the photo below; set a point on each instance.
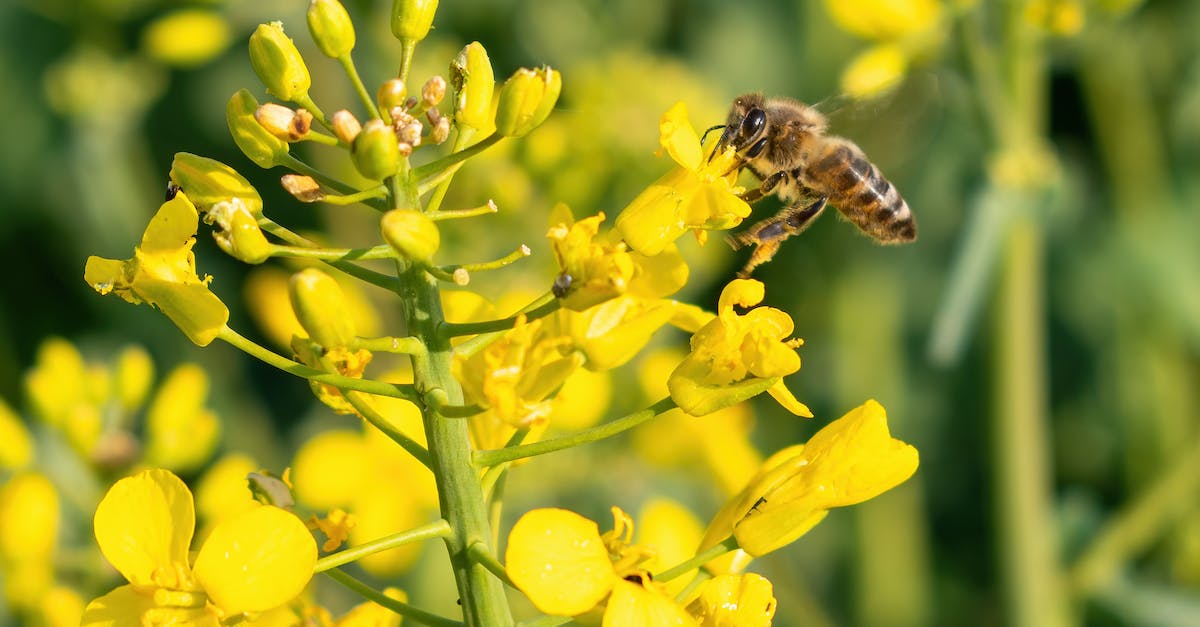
(850, 460)
(566, 567)
(252, 562)
(181, 433)
(371, 614)
(735, 357)
(874, 71)
(745, 600)
(514, 376)
(884, 19)
(611, 333)
(186, 38)
(598, 269)
(16, 446)
(162, 272)
(698, 194)
(29, 519)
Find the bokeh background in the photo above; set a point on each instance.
(1038, 344)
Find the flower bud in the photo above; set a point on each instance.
(376, 151)
(331, 28)
(391, 94)
(526, 100)
(411, 233)
(321, 308)
(133, 375)
(238, 235)
(440, 131)
(345, 126)
(302, 188)
(412, 19)
(208, 182)
(433, 91)
(278, 63)
(474, 82)
(285, 123)
(255, 141)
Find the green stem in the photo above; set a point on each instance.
(341, 187)
(455, 329)
(364, 95)
(508, 259)
(461, 138)
(701, 558)
(368, 412)
(378, 192)
(489, 207)
(441, 165)
(379, 279)
(459, 492)
(492, 457)
(306, 101)
(1139, 524)
(407, 47)
(436, 529)
(399, 345)
(484, 557)
(320, 138)
(396, 606)
(333, 254)
(379, 388)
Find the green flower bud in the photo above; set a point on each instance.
(208, 182)
(238, 233)
(391, 94)
(321, 308)
(376, 151)
(526, 100)
(278, 63)
(412, 19)
(474, 82)
(256, 142)
(331, 28)
(411, 233)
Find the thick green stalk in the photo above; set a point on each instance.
(459, 490)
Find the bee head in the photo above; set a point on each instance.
(746, 126)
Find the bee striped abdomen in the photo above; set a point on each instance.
(856, 187)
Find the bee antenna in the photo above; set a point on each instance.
(709, 130)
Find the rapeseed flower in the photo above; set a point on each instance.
(698, 194)
(251, 562)
(737, 356)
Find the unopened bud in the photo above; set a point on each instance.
(391, 94)
(302, 188)
(433, 91)
(208, 182)
(345, 126)
(410, 133)
(412, 19)
(331, 28)
(526, 100)
(440, 131)
(263, 148)
(474, 83)
(278, 63)
(285, 123)
(238, 233)
(410, 233)
(375, 151)
(320, 306)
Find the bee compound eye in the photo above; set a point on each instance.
(753, 123)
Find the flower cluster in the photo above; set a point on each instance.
(457, 395)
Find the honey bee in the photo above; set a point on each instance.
(784, 144)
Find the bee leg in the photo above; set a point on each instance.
(768, 235)
(765, 188)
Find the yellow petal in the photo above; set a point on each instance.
(256, 560)
(874, 71)
(223, 489)
(740, 293)
(16, 447)
(678, 137)
(122, 607)
(745, 600)
(651, 221)
(181, 434)
(884, 19)
(857, 458)
(29, 518)
(186, 38)
(698, 398)
(385, 509)
(784, 397)
(328, 467)
(556, 557)
(632, 605)
(674, 532)
(144, 524)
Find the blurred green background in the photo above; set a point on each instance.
(1038, 344)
